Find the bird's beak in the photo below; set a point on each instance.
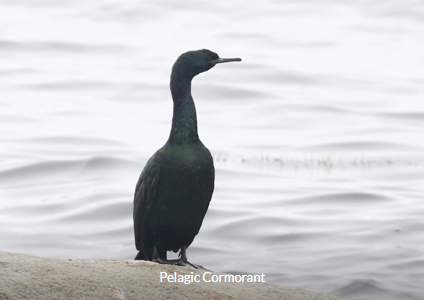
(224, 60)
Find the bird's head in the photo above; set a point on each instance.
(192, 63)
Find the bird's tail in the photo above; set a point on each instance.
(141, 255)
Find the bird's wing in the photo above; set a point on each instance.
(145, 193)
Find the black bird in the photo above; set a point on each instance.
(174, 190)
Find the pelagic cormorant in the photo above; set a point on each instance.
(175, 187)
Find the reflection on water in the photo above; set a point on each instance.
(316, 136)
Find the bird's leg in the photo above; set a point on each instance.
(183, 258)
(183, 254)
(184, 262)
(157, 258)
(161, 259)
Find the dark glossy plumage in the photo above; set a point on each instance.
(176, 185)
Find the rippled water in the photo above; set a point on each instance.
(317, 135)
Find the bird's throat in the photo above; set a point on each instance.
(184, 120)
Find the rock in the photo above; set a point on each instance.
(30, 277)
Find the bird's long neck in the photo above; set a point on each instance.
(184, 120)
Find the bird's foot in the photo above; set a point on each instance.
(199, 267)
(179, 262)
(186, 263)
(160, 260)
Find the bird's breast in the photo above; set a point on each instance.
(186, 165)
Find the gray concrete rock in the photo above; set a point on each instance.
(29, 277)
